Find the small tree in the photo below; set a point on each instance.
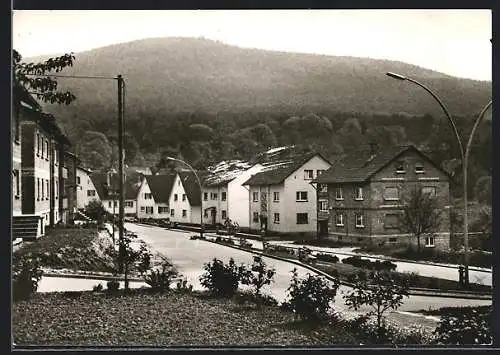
(421, 215)
(380, 291)
(96, 211)
(310, 298)
(128, 257)
(259, 275)
(222, 279)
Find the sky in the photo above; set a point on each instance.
(454, 42)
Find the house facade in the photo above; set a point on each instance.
(366, 195)
(153, 196)
(85, 190)
(39, 172)
(224, 196)
(283, 200)
(185, 199)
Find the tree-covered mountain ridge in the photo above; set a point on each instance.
(196, 74)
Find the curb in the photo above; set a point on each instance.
(91, 277)
(414, 292)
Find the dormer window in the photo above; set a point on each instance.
(400, 167)
(419, 168)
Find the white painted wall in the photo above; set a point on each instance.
(86, 184)
(192, 214)
(142, 203)
(128, 210)
(217, 203)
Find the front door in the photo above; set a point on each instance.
(213, 214)
(323, 228)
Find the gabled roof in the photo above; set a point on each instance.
(191, 186)
(225, 172)
(131, 186)
(276, 174)
(361, 165)
(161, 186)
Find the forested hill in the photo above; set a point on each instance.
(206, 101)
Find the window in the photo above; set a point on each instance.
(43, 190)
(429, 242)
(78, 180)
(184, 213)
(54, 153)
(205, 196)
(338, 194)
(129, 204)
(90, 193)
(391, 220)
(148, 196)
(358, 193)
(47, 150)
(276, 196)
(301, 196)
(322, 188)
(339, 220)
(38, 144)
(16, 183)
(205, 213)
(214, 196)
(255, 197)
(224, 214)
(391, 194)
(116, 204)
(393, 240)
(162, 209)
(323, 205)
(419, 168)
(319, 172)
(149, 209)
(42, 143)
(183, 197)
(47, 188)
(429, 190)
(302, 218)
(277, 218)
(223, 196)
(255, 216)
(109, 205)
(172, 212)
(400, 167)
(176, 197)
(56, 192)
(308, 174)
(142, 208)
(360, 220)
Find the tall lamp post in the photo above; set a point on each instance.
(464, 157)
(201, 190)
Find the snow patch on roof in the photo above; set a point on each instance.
(226, 171)
(277, 149)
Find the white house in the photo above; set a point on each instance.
(283, 198)
(85, 188)
(153, 196)
(224, 196)
(185, 198)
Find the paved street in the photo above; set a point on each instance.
(190, 255)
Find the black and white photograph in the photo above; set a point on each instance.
(269, 179)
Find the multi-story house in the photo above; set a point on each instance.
(38, 172)
(108, 191)
(86, 190)
(224, 196)
(153, 196)
(283, 199)
(185, 198)
(366, 191)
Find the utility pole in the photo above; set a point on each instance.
(120, 173)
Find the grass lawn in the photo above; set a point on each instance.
(69, 248)
(148, 319)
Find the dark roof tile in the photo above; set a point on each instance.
(161, 186)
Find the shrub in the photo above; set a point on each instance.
(183, 286)
(97, 288)
(144, 257)
(193, 237)
(381, 291)
(470, 326)
(221, 279)
(113, 285)
(328, 258)
(160, 280)
(250, 297)
(310, 298)
(25, 278)
(377, 265)
(259, 275)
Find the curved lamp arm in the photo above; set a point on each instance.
(190, 167)
(476, 123)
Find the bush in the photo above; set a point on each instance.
(260, 299)
(377, 265)
(25, 278)
(221, 279)
(327, 257)
(160, 280)
(470, 326)
(310, 298)
(97, 288)
(113, 286)
(259, 275)
(183, 286)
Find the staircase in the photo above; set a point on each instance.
(26, 227)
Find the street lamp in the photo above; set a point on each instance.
(464, 156)
(201, 191)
